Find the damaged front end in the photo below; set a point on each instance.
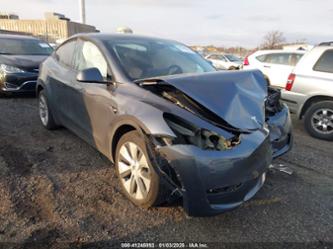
(216, 170)
(279, 123)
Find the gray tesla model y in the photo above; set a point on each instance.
(173, 126)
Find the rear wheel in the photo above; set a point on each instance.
(45, 113)
(138, 178)
(318, 120)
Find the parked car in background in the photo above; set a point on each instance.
(225, 61)
(166, 118)
(276, 65)
(309, 91)
(20, 57)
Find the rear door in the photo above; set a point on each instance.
(61, 82)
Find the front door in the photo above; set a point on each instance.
(96, 113)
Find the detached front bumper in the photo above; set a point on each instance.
(18, 82)
(213, 182)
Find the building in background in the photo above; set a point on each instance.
(55, 27)
(11, 16)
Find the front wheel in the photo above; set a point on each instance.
(318, 120)
(137, 176)
(45, 114)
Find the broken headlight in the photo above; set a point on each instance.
(190, 134)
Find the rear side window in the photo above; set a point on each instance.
(325, 62)
(280, 58)
(65, 53)
(261, 58)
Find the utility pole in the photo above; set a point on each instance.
(82, 5)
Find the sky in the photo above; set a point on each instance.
(196, 22)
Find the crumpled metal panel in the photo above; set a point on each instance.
(237, 97)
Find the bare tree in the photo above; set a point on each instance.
(273, 40)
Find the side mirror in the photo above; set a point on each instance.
(91, 75)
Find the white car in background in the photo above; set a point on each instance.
(276, 65)
(225, 61)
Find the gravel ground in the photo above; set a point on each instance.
(58, 192)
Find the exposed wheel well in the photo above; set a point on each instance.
(311, 101)
(118, 134)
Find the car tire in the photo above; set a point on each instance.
(45, 112)
(318, 120)
(232, 68)
(138, 178)
(3, 95)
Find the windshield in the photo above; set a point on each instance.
(232, 57)
(12, 46)
(147, 59)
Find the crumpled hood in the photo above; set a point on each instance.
(237, 97)
(27, 62)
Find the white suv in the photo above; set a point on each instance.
(276, 65)
(309, 91)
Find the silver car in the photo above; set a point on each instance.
(225, 61)
(309, 91)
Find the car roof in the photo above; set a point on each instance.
(119, 37)
(322, 47)
(278, 51)
(23, 37)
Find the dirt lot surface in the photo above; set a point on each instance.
(58, 192)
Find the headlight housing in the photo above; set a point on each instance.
(10, 69)
(190, 134)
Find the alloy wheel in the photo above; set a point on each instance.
(322, 121)
(43, 110)
(134, 171)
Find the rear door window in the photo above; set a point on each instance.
(278, 58)
(325, 62)
(65, 53)
(261, 58)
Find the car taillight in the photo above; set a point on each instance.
(290, 81)
(246, 61)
